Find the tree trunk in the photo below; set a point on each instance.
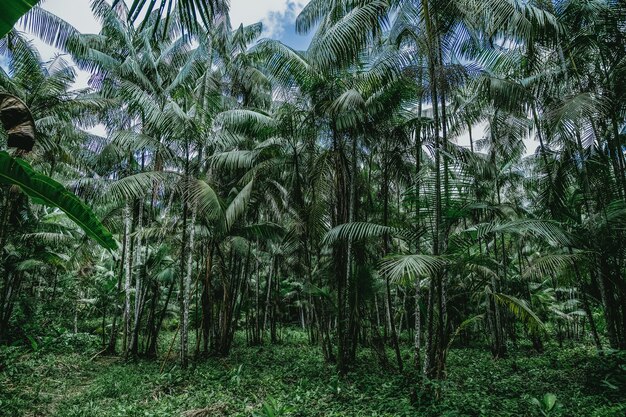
(127, 275)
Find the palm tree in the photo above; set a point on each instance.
(37, 106)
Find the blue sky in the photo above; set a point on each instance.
(278, 18)
(282, 26)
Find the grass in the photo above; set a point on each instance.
(292, 379)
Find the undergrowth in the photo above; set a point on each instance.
(62, 378)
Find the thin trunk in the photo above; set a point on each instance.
(184, 335)
(128, 261)
(113, 338)
(138, 284)
(207, 300)
(386, 248)
(268, 294)
(154, 339)
(430, 367)
(418, 325)
(183, 292)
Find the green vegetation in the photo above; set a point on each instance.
(44, 190)
(291, 379)
(219, 224)
(11, 11)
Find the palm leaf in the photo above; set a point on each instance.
(191, 11)
(205, 199)
(50, 28)
(356, 231)
(462, 326)
(520, 309)
(545, 229)
(341, 43)
(553, 264)
(398, 267)
(264, 231)
(138, 185)
(238, 205)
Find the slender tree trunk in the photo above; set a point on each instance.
(188, 275)
(268, 294)
(340, 252)
(154, 339)
(418, 325)
(353, 251)
(389, 301)
(183, 290)
(116, 311)
(430, 368)
(133, 350)
(128, 261)
(207, 304)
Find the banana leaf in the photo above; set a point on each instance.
(44, 190)
(11, 11)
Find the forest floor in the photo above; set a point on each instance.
(291, 379)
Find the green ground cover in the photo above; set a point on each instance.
(291, 379)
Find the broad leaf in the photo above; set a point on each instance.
(11, 11)
(44, 190)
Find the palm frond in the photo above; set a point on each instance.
(356, 231)
(520, 309)
(399, 267)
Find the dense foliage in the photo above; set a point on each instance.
(342, 190)
(292, 379)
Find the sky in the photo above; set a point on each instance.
(278, 18)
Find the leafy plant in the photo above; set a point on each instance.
(11, 11)
(273, 408)
(235, 375)
(547, 405)
(44, 190)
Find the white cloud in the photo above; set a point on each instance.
(274, 14)
(78, 12)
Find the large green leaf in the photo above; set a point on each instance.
(44, 190)
(11, 11)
